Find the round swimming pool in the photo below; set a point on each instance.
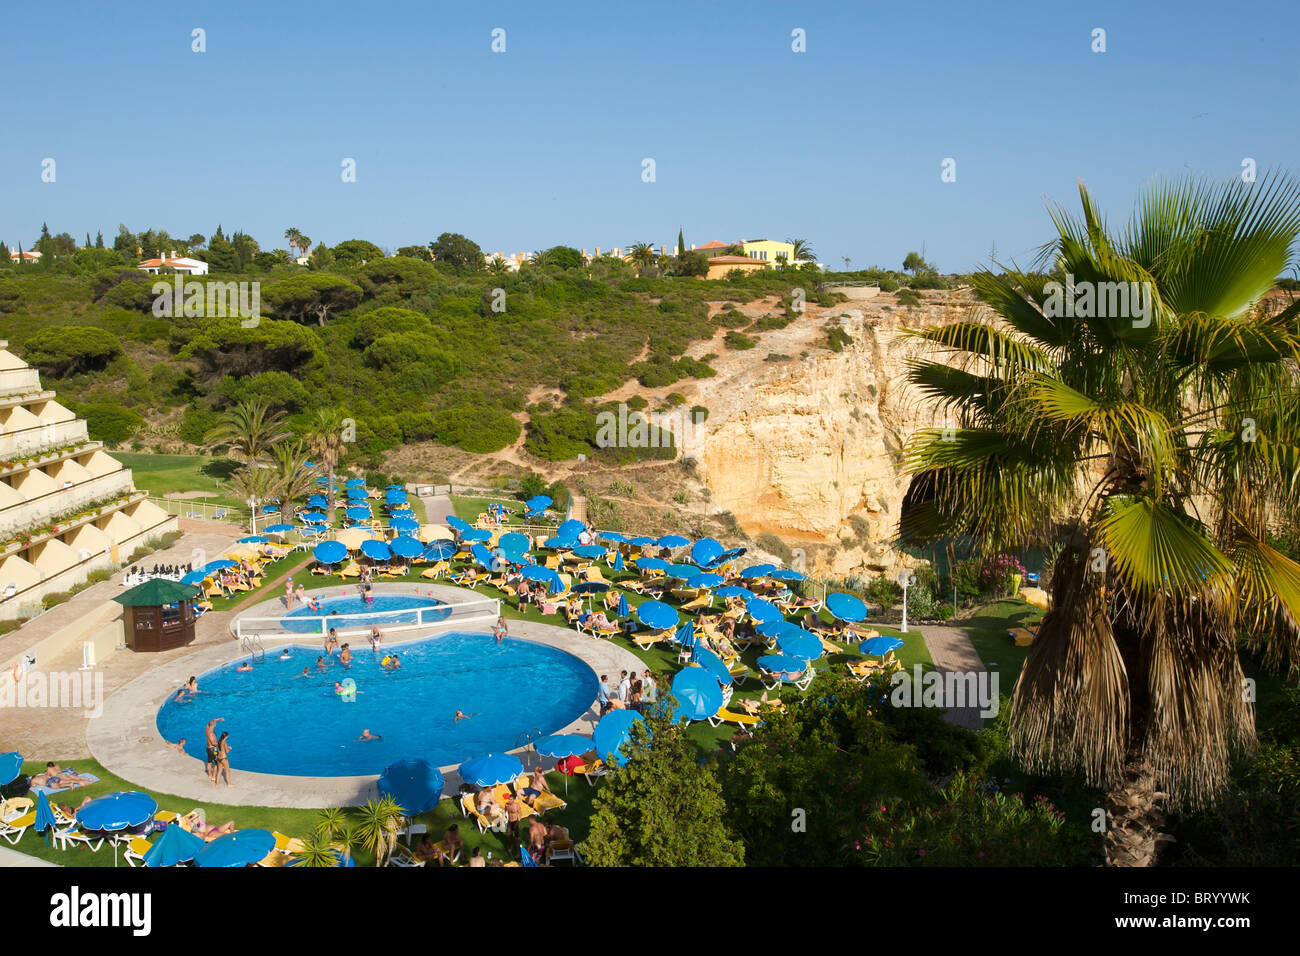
(283, 722)
(384, 610)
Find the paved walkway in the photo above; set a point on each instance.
(10, 857)
(437, 509)
(952, 652)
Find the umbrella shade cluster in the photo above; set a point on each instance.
(415, 785)
(491, 769)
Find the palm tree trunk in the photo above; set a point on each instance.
(1134, 817)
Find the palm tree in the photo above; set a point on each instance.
(317, 851)
(248, 431)
(325, 438)
(293, 235)
(1161, 444)
(304, 245)
(802, 251)
(293, 479)
(497, 266)
(380, 822)
(642, 254)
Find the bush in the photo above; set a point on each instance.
(883, 590)
(69, 349)
(738, 340)
(111, 424)
(837, 339)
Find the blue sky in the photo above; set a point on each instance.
(841, 145)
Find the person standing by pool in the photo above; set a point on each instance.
(500, 630)
(624, 686)
(223, 759)
(288, 594)
(602, 695)
(345, 655)
(376, 638)
(648, 689)
(210, 760)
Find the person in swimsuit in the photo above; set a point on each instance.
(345, 655)
(536, 785)
(223, 759)
(367, 735)
(461, 715)
(179, 746)
(288, 594)
(210, 760)
(56, 778)
(245, 667)
(500, 630)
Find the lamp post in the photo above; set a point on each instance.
(905, 579)
(253, 502)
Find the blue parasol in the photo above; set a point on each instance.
(757, 571)
(45, 820)
(805, 646)
(219, 565)
(358, 513)
(613, 731)
(697, 692)
(457, 523)
(591, 587)
(673, 541)
(726, 556)
(611, 536)
(704, 580)
(357, 494)
(482, 555)
(406, 547)
(476, 535)
(571, 528)
(590, 550)
(559, 543)
(538, 503)
(176, 845)
(681, 571)
(439, 550)
(376, 550)
(241, 848)
(330, 552)
(657, 614)
(318, 501)
(514, 543)
(712, 663)
(491, 769)
(618, 564)
(776, 628)
(685, 634)
(416, 785)
(279, 528)
(846, 607)
(623, 609)
(785, 574)
(403, 524)
(355, 483)
(117, 811)
(641, 541)
(253, 539)
(651, 564)
(705, 550)
(194, 577)
(778, 664)
(880, 646)
(762, 611)
(564, 745)
(734, 590)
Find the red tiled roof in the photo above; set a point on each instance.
(714, 245)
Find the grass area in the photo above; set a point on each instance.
(165, 474)
(987, 630)
(296, 823)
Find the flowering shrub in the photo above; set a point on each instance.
(998, 571)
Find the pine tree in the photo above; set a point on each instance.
(681, 243)
(87, 241)
(99, 240)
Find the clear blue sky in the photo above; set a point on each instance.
(543, 144)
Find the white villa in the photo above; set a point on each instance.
(67, 508)
(193, 267)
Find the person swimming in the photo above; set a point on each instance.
(320, 664)
(246, 666)
(461, 715)
(284, 654)
(367, 735)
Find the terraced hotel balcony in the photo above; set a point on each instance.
(20, 510)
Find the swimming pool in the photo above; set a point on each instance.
(283, 723)
(385, 609)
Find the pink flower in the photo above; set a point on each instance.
(922, 853)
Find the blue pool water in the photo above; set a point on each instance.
(304, 620)
(280, 722)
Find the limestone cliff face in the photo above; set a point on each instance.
(809, 449)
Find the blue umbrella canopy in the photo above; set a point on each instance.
(734, 590)
(314, 517)
(538, 503)
(253, 539)
(476, 535)
(416, 785)
(194, 577)
(757, 571)
(378, 550)
(880, 646)
(537, 572)
(618, 564)
(318, 501)
(491, 769)
(219, 565)
(776, 628)
(726, 556)
(611, 536)
(786, 574)
(560, 746)
(805, 646)
(623, 609)
(329, 552)
(403, 512)
(439, 550)
(697, 692)
(762, 611)
(641, 541)
(589, 550)
(656, 614)
(673, 541)
(457, 523)
(779, 664)
(681, 571)
(403, 524)
(395, 487)
(571, 528)
(241, 848)
(406, 547)
(176, 845)
(357, 494)
(117, 811)
(704, 580)
(652, 564)
(613, 731)
(685, 634)
(846, 607)
(705, 550)
(712, 663)
(11, 764)
(558, 542)
(355, 483)
(270, 509)
(358, 513)
(512, 542)
(482, 555)
(281, 528)
(591, 587)
(323, 479)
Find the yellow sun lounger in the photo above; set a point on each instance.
(1023, 636)
(724, 716)
(647, 639)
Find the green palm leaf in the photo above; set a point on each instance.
(1157, 549)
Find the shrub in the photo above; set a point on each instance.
(738, 340)
(837, 339)
(69, 349)
(111, 424)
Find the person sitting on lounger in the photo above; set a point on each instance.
(536, 785)
(193, 821)
(598, 621)
(484, 800)
(451, 841)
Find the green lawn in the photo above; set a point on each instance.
(987, 630)
(296, 823)
(164, 474)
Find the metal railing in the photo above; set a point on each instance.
(451, 614)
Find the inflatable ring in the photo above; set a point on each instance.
(347, 688)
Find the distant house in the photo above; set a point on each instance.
(27, 257)
(192, 267)
(719, 266)
(769, 250)
(713, 248)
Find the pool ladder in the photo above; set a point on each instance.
(252, 646)
(527, 737)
